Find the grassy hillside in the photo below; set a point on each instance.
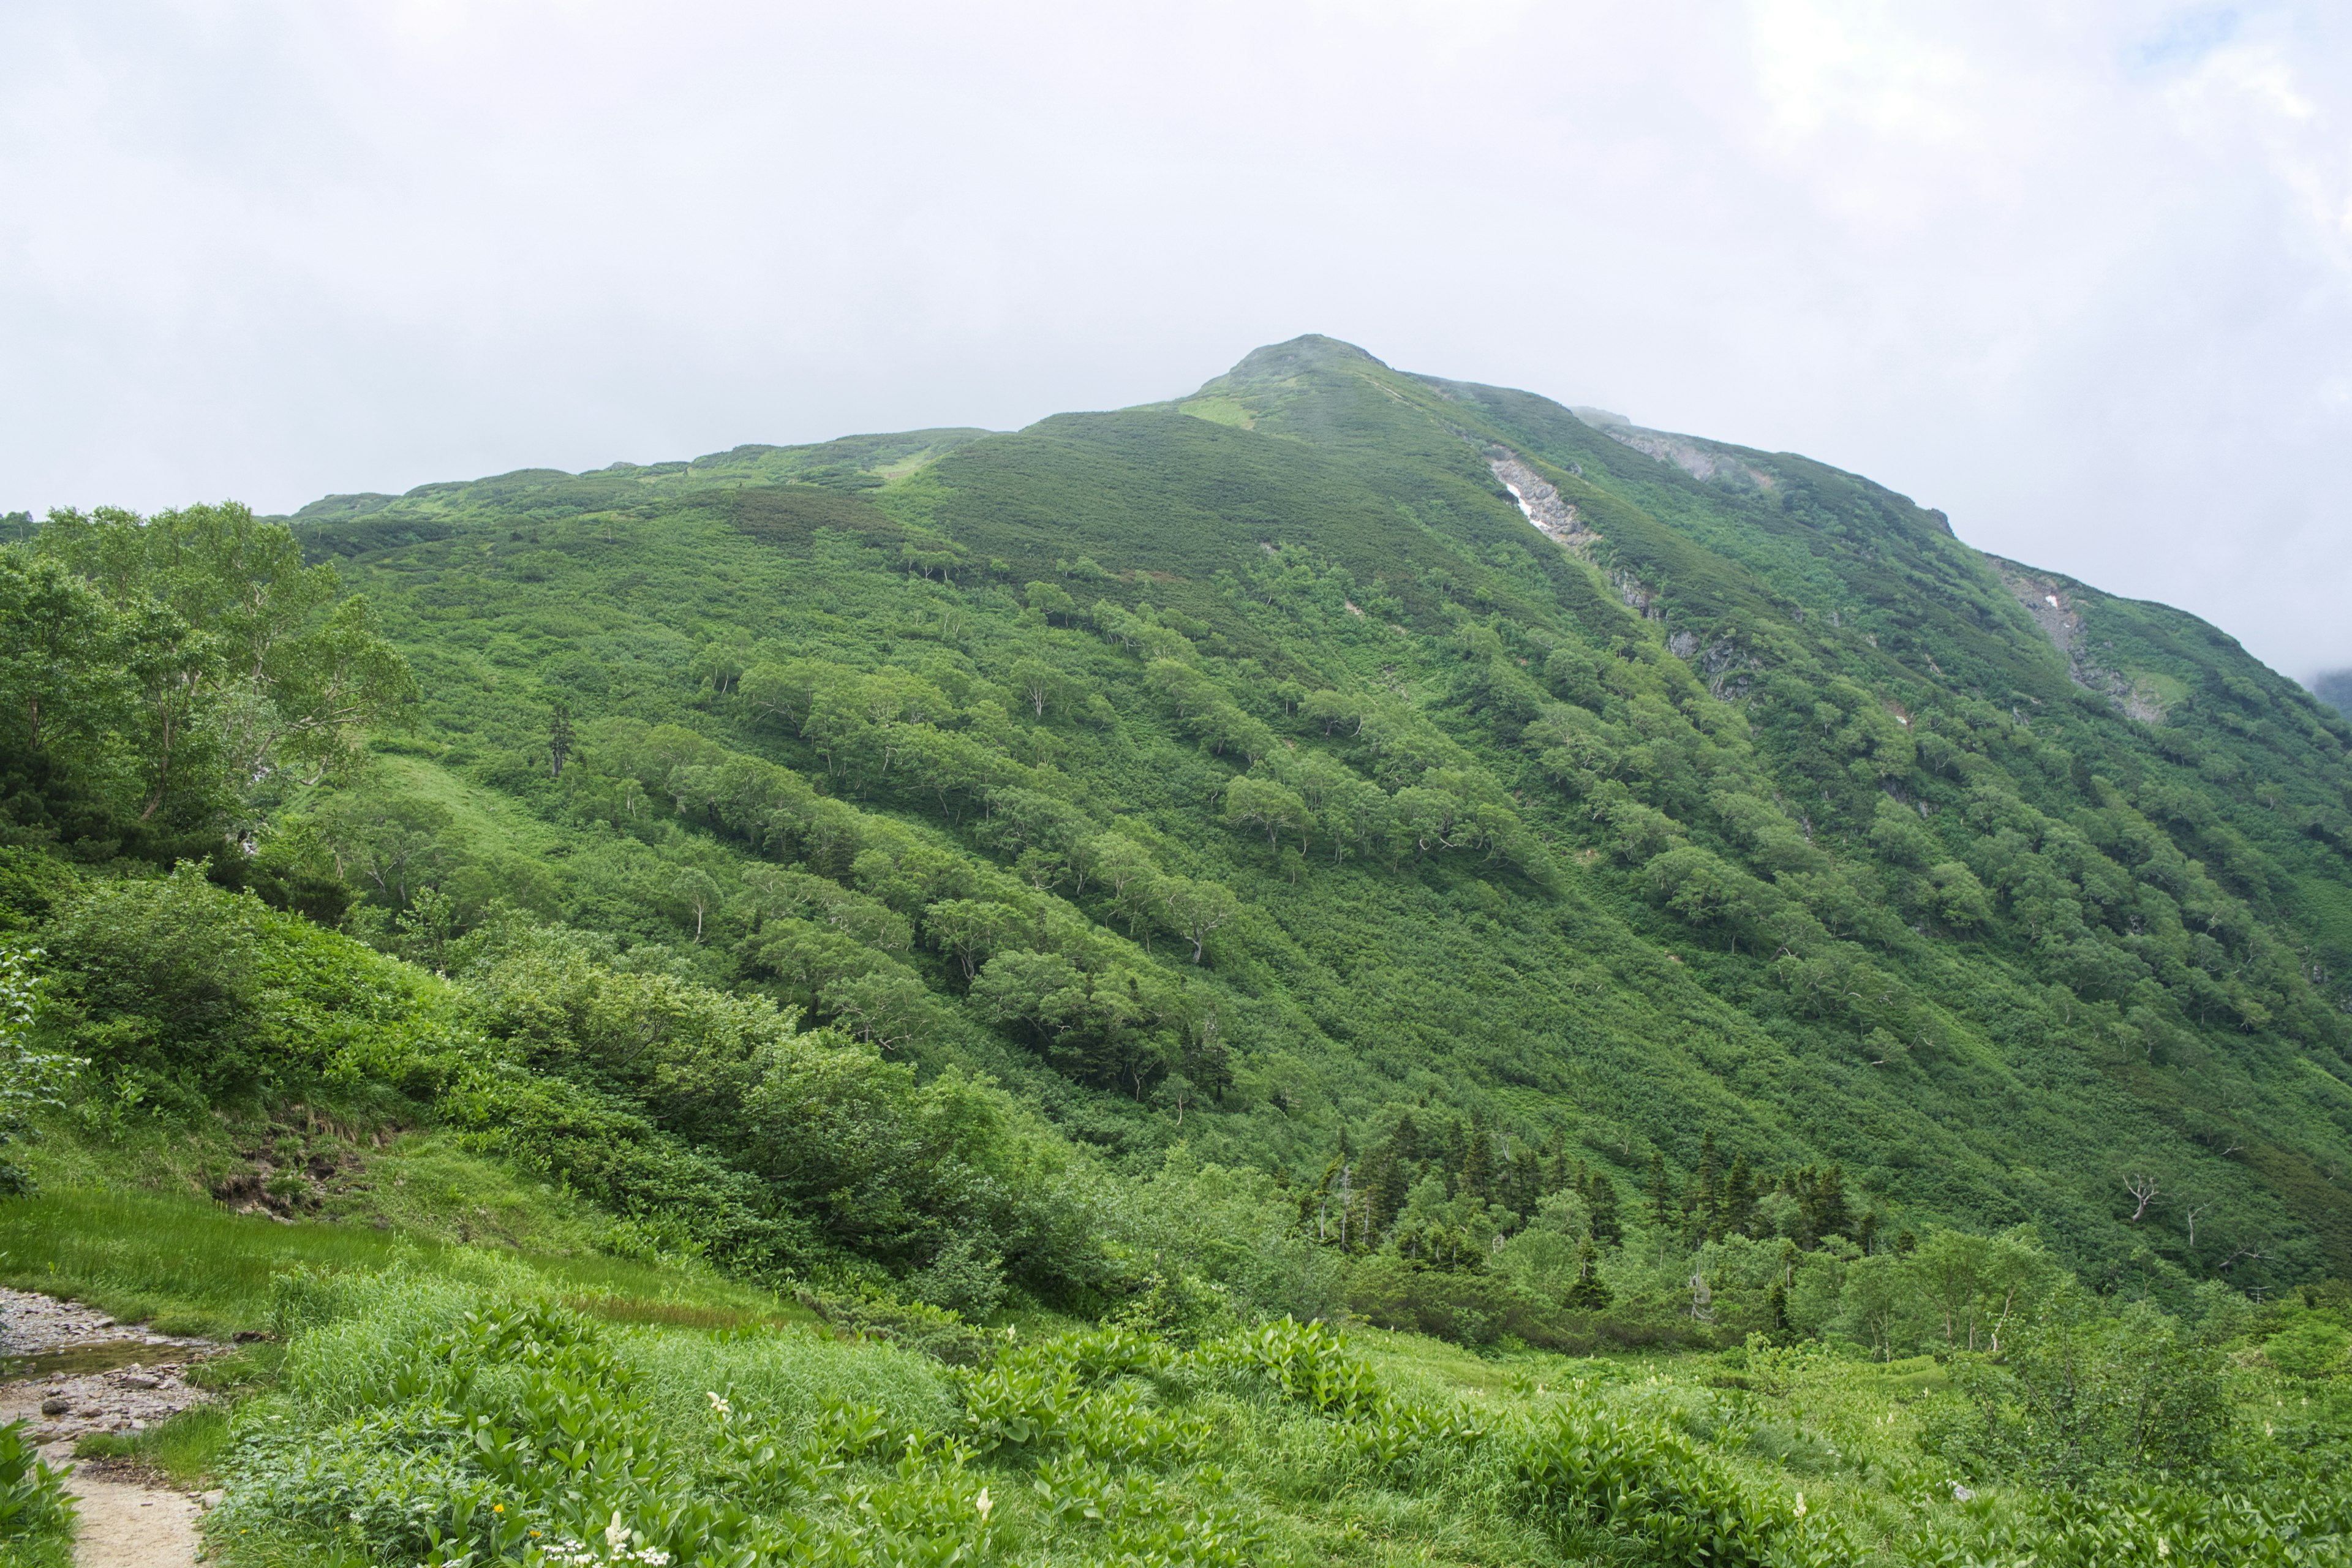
(1763, 808)
(561, 951)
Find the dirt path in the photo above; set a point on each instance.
(78, 1371)
(127, 1525)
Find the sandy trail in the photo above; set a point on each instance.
(126, 1525)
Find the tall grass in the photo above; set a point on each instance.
(194, 1267)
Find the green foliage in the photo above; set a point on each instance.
(418, 1417)
(34, 1509)
(1253, 783)
(30, 1079)
(1585, 1475)
(194, 995)
(184, 1447)
(160, 673)
(709, 1123)
(2080, 1392)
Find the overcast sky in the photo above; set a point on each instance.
(2079, 274)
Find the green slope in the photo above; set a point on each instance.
(1763, 807)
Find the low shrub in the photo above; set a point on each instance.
(1587, 1474)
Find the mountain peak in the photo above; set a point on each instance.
(1310, 351)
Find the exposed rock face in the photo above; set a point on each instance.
(1539, 500)
(1698, 461)
(2055, 609)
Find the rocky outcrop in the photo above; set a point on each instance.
(2051, 602)
(1539, 500)
(1699, 461)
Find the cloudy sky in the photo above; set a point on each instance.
(2079, 274)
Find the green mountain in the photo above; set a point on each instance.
(1734, 794)
(1381, 780)
(883, 1001)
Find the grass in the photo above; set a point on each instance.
(418, 1182)
(1843, 1432)
(183, 1449)
(40, 1551)
(194, 1267)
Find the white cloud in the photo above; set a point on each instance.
(1864, 62)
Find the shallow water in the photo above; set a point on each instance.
(78, 1360)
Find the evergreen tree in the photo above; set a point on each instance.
(1699, 1201)
(1388, 1181)
(1662, 1196)
(1831, 1217)
(1736, 1210)
(1521, 1183)
(1599, 1195)
(1406, 1139)
(1478, 1160)
(560, 739)
(1589, 1292)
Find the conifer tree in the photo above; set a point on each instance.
(1478, 1161)
(1700, 1203)
(560, 739)
(1599, 1195)
(1589, 1292)
(1736, 1210)
(1406, 1139)
(1389, 1181)
(1832, 1218)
